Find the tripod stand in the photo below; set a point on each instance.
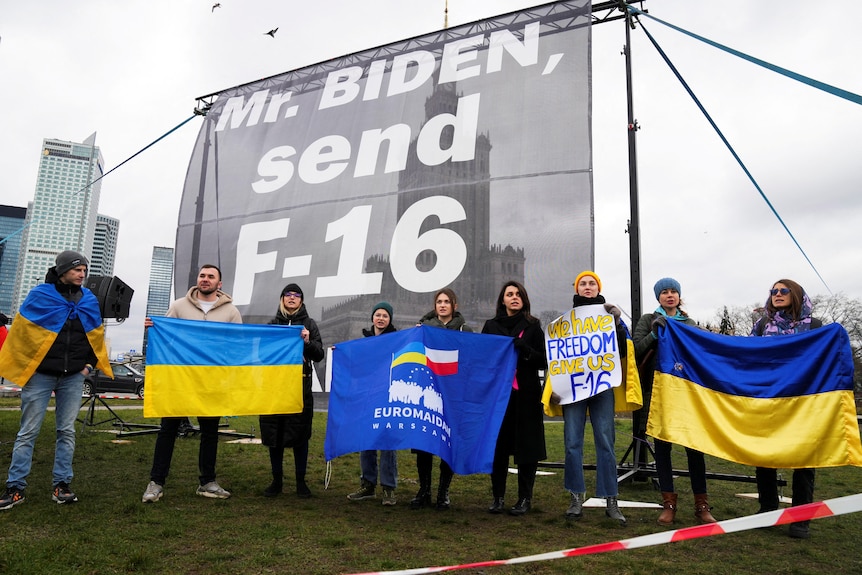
(639, 469)
(185, 429)
(88, 420)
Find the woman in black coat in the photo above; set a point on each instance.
(294, 430)
(522, 433)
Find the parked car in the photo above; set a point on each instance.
(126, 380)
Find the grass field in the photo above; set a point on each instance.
(110, 531)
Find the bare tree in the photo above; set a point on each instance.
(737, 320)
(838, 308)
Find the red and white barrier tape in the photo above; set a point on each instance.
(828, 508)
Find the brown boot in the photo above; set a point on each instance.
(669, 511)
(702, 508)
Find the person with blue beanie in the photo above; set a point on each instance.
(669, 295)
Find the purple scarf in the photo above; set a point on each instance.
(779, 324)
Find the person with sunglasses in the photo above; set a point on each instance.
(278, 432)
(787, 311)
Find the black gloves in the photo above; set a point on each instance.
(614, 311)
(659, 321)
(521, 346)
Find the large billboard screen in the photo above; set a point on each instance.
(457, 159)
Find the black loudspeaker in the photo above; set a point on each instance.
(115, 297)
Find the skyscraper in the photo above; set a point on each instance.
(62, 215)
(11, 222)
(104, 246)
(161, 277)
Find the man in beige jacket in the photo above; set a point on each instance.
(205, 302)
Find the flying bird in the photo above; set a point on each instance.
(216, 5)
(271, 32)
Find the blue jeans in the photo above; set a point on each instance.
(67, 390)
(388, 467)
(601, 408)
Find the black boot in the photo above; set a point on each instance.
(275, 487)
(302, 489)
(803, 492)
(422, 498)
(800, 530)
(276, 459)
(499, 473)
(300, 461)
(423, 467)
(443, 489)
(767, 489)
(521, 507)
(498, 506)
(526, 478)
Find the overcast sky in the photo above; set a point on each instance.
(130, 71)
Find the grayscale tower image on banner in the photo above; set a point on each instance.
(487, 266)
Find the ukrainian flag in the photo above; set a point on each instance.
(37, 323)
(205, 368)
(780, 402)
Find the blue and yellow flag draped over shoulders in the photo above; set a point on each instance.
(781, 402)
(206, 368)
(37, 323)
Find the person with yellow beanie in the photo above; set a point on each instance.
(601, 412)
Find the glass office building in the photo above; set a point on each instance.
(62, 215)
(161, 280)
(11, 231)
(104, 246)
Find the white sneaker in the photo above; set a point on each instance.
(153, 493)
(213, 490)
(389, 496)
